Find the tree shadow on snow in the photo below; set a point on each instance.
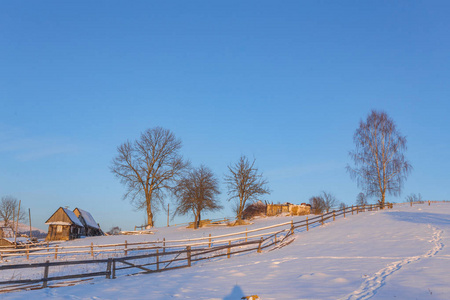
(421, 217)
(236, 293)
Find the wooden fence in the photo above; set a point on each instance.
(164, 255)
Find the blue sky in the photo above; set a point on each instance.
(283, 82)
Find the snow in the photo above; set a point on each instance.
(58, 223)
(399, 253)
(88, 219)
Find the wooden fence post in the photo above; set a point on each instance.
(125, 247)
(352, 210)
(357, 209)
(259, 246)
(188, 253)
(48, 245)
(164, 245)
(28, 252)
(275, 238)
(157, 260)
(113, 269)
(344, 211)
(307, 227)
(229, 249)
(56, 252)
(108, 269)
(246, 235)
(428, 202)
(292, 226)
(322, 219)
(92, 249)
(44, 284)
(210, 240)
(334, 216)
(410, 202)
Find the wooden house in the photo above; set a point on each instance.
(91, 228)
(63, 225)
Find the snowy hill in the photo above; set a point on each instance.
(393, 254)
(24, 229)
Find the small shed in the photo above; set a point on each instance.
(63, 225)
(91, 228)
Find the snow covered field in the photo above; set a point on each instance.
(393, 254)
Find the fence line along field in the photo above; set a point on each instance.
(81, 262)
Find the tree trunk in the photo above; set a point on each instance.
(148, 202)
(149, 216)
(240, 209)
(199, 219)
(382, 200)
(196, 221)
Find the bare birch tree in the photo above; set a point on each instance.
(197, 192)
(245, 184)
(9, 210)
(380, 165)
(148, 167)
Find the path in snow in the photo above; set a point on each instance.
(370, 286)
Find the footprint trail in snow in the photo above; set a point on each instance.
(370, 286)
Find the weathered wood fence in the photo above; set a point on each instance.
(164, 255)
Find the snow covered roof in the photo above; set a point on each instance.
(72, 217)
(88, 218)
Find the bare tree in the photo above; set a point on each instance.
(361, 199)
(413, 198)
(342, 206)
(245, 184)
(8, 211)
(380, 165)
(148, 167)
(196, 192)
(317, 204)
(329, 200)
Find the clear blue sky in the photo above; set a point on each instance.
(284, 82)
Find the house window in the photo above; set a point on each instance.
(58, 228)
